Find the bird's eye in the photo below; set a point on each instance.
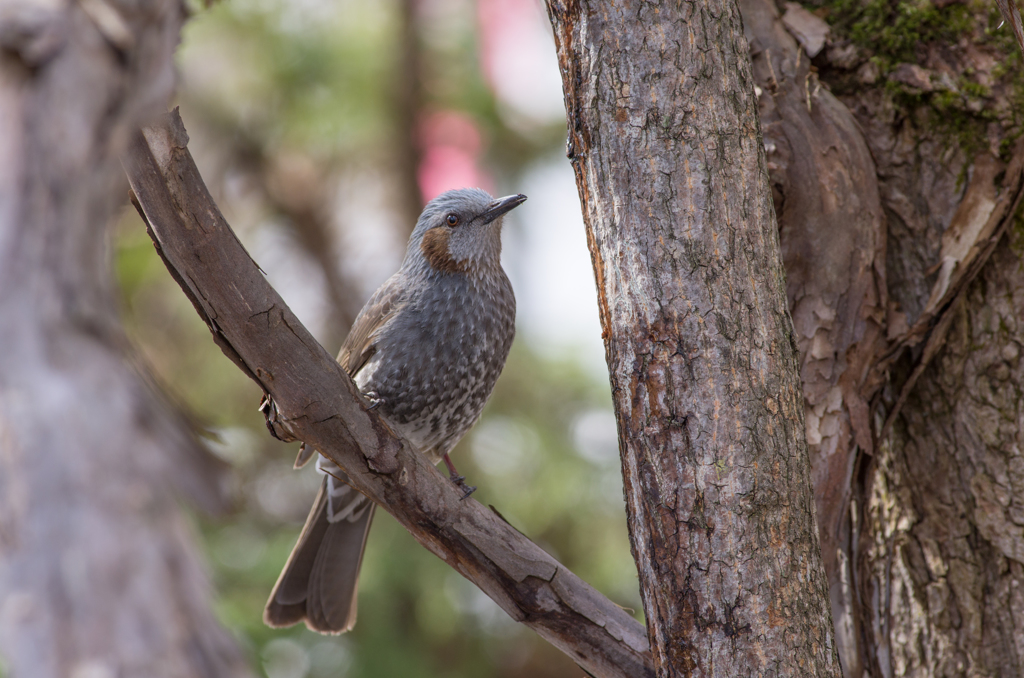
(452, 220)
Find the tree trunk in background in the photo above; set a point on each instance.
(407, 101)
(886, 215)
(940, 551)
(664, 139)
(98, 572)
(832, 230)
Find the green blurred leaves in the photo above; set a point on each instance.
(316, 78)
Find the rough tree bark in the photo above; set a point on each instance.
(943, 545)
(908, 358)
(940, 544)
(883, 234)
(98, 573)
(315, 401)
(664, 139)
(832, 231)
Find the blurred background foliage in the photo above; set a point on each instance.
(321, 127)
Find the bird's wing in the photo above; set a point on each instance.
(360, 345)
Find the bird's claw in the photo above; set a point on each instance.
(460, 482)
(275, 422)
(374, 400)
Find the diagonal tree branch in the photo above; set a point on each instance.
(317, 403)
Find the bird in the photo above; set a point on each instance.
(425, 352)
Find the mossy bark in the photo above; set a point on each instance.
(896, 172)
(921, 520)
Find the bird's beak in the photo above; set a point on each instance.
(502, 205)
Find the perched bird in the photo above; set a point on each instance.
(425, 350)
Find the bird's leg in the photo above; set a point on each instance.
(460, 481)
(452, 472)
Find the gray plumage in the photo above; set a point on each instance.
(427, 348)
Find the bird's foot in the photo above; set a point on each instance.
(460, 481)
(275, 422)
(374, 400)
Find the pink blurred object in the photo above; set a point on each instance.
(517, 56)
(451, 146)
(505, 26)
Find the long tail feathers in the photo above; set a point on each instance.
(318, 583)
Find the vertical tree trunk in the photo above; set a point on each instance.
(664, 139)
(940, 550)
(98, 575)
(943, 547)
(408, 105)
(832, 231)
(883, 231)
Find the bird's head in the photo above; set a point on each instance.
(460, 231)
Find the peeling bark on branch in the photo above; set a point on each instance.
(317, 403)
(664, 139)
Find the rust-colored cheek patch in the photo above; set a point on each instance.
(435, 249)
